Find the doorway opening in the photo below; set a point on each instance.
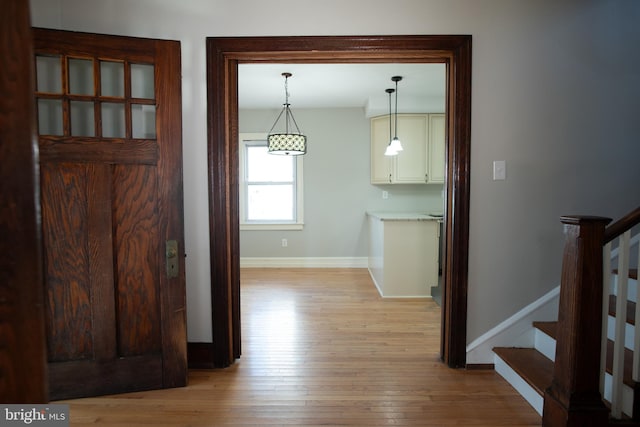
(223, 57)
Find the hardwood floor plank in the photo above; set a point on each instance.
(322, 348)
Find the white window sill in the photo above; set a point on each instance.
(298, 226)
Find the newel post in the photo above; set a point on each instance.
(574, 399)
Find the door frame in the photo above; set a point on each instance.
(223, 56)
(23, 357)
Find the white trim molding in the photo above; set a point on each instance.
(304, 262)
(516, 331)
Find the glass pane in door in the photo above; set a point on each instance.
(143, 121)
(113, 124)
(81, 77)
(49, 74)
(50, 117)
(82, 119)
(112, 79)
(142, 83)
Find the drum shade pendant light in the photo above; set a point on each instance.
(390, 151)
(287, 143)
(395, 142)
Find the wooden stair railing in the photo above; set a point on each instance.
(619, 234)
(574, 397)
(623, 225)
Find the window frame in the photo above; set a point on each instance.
(248, 139)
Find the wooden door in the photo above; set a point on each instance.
(109, 126)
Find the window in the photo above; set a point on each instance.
(270, 187)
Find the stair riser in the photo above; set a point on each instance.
(544, 344)
(521, 386)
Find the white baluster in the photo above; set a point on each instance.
(621, 320)
(636, 331)
(606, 291)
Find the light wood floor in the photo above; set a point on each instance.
(320, 347)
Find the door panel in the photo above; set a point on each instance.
(111, 175)
(64, 222)
(137, 273)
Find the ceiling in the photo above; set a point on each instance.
(422, 88)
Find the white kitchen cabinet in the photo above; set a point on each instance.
(382, 167)
(408, 167)
(413, 165)
(437, 154)
(403, 253)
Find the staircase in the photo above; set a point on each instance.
(560, 376)
(530, 370)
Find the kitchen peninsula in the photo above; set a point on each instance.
(403, 253)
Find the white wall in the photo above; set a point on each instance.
(555, 94)
(337, 188)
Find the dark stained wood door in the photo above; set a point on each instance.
(109, 126)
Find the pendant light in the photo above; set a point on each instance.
(395, 142)
(390, 151)
(287, 143)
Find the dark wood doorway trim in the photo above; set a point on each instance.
(224, 55)
(23, 348)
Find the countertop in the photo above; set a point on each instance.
(405, 216)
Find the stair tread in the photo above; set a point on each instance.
(530, 364)
(550, 328)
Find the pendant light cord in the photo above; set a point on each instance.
(396, 122)
(288, 115)
(286, 102)
(390, 91)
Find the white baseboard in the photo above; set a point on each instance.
(516, 331)
(304, 262)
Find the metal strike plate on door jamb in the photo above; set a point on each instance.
(172, 258)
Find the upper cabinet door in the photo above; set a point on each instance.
(420, 161)
(411, 162)
(109, 125)
(437, 147)
(381, 165)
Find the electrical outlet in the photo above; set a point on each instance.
(385, 194)
(284, 243)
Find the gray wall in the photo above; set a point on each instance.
(337, 191)
(555, 93)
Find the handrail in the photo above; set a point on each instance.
(622, 225)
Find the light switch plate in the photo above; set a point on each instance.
(499, 170)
